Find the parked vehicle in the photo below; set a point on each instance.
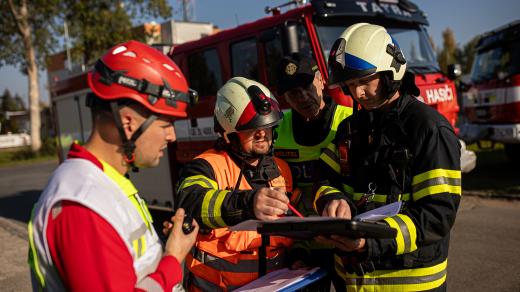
(492, 101)
(253, 50)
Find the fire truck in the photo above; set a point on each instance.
(492, 101)
(253, 50)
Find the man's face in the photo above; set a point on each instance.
(367, 91)
(307, 101)
(152, 143)
(257, 141)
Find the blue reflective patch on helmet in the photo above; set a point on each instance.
(395, 42)
(356, 63)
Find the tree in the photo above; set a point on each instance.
(448, 54)
(468, 55)
(25, 39)
(8, 103)
(95, 26)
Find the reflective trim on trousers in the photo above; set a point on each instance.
(415, 279)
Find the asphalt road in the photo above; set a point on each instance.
(484, 252)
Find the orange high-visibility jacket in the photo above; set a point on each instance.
(225, 260)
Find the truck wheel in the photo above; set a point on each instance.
(513, 152)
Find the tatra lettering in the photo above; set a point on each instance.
(396, 10)
(376, 8)
(363, 5)
(382, 8)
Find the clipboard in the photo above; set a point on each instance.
(343, 227)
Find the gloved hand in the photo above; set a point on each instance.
(356, 262)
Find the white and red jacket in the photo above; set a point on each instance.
(90, 231)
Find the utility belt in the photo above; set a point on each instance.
(242, 265)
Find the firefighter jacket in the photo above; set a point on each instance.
(111, 196)
(222, 259)
(409, 153)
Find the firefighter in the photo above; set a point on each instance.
(238, 179)
(306, 129)
(393, 148)
(90, 230)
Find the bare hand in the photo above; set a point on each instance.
(178, 243)
(167, 228)
(270, 203)
(337, 208)
(344, 243)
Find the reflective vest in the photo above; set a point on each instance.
(111, 196)
(224, 260)
(301, 158)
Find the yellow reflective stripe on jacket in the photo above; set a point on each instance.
(211, 208)
(348, 189)
(200, 180)
(330, 157)
(379, 198)
(324, 191)
(33, 256)
(128, 188)
(406, 237)
(436, 181)
(139, 246)
(124, 184)
(417, 279)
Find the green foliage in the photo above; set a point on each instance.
(11, 104)
(42, 21)
(451, 53)
(448, 54)
(25, 153)
(95, 26)
(468, 55)
(49, 147)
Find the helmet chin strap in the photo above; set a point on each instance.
(390, 87)
(129, 144)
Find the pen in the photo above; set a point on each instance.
(294, 210)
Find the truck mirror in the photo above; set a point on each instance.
(464, 87)
(454, 71)
(193, 97)
(290, 37)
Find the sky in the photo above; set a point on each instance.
(467, 18)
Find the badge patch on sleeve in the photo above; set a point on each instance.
(286, 153)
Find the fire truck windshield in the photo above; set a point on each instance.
(500, 62)
(414, 43)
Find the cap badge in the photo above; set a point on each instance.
(291, 68)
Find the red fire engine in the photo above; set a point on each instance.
(492, 103)
(253, 50)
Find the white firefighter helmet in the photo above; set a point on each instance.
(244, 104)
(364, 49)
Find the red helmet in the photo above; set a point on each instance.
(137, 71)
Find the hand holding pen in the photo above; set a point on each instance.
(270, 203)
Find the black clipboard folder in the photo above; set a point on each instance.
(333, 226)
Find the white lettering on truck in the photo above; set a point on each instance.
(440, 94)
(383, 8)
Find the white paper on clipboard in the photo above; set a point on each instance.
(277, 280)
(380, 213)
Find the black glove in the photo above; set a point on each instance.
(357, 262)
